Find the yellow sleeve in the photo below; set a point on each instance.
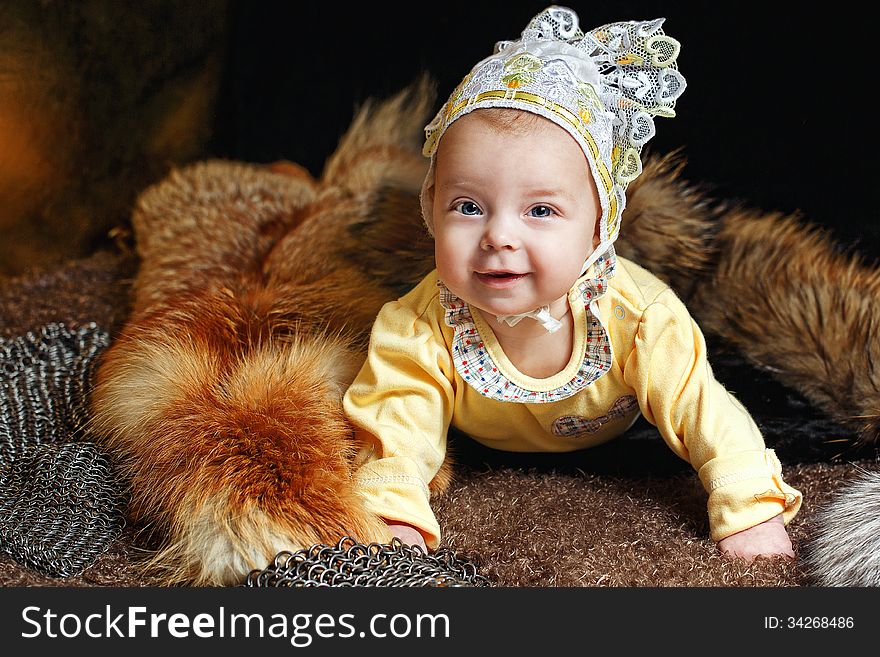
(401, 405)
(703, 423)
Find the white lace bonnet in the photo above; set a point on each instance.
(604, 88)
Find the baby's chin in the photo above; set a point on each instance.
(494, 311)
(505, 301)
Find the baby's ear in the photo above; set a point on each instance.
(597, 238)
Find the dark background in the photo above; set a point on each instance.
(776, 114)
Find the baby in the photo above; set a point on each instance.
(531, 334)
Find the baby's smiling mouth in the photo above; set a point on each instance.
(499, 277)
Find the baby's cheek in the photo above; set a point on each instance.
(450, 253)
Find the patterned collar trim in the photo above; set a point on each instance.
(495, 377)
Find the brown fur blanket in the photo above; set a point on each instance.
(244, 311)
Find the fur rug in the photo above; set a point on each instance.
(244, 312)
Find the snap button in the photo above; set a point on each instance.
(619, 312)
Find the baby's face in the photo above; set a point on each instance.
(514, 213)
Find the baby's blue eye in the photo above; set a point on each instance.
(541, 211)
(468, 208)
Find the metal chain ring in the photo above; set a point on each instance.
(350, 563)
(45, 377)
(60, 506)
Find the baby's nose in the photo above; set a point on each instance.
(500, 234)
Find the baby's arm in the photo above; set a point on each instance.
(707, 426)
(400, 405)
(766, 539)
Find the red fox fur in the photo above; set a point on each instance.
(221, 396)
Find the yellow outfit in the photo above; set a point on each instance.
(432, 362)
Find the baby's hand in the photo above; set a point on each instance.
(767, 539)
(408, 535)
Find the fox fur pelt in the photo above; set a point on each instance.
(220, 398)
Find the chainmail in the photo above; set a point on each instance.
(60, 503)
(60, 506)
(350, 563)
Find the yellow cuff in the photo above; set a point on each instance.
(745, 489)
(391, 491)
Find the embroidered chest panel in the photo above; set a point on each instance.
(572, 426)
